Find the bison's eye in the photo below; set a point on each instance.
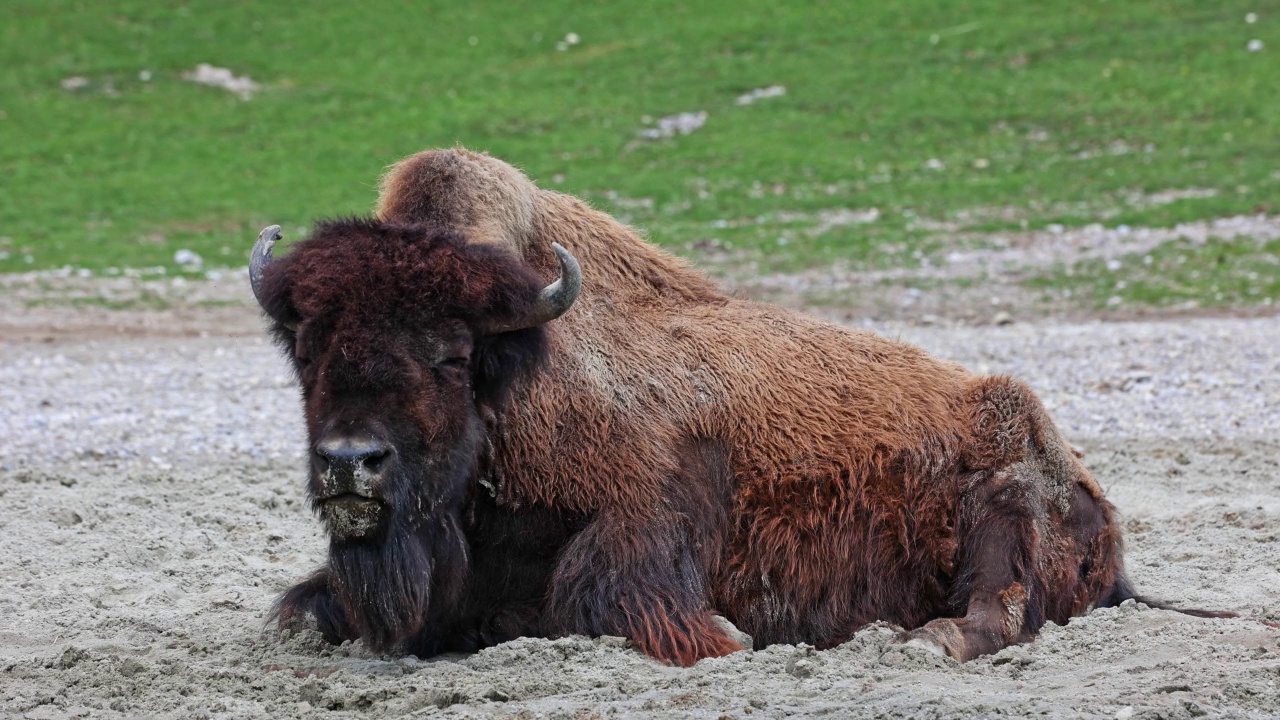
(455, 369)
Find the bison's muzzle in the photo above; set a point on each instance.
(347, 484)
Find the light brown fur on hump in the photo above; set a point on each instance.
(488, 200)
(475, 194)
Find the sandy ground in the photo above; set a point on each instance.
(152, 492)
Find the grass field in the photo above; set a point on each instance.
(1218, 273)
(926, 109)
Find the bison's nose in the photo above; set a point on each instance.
(354, 453)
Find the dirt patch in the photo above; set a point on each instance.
(1058, 245)
(978, 283)
(63, 305)
(981, 279)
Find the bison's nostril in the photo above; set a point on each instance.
(374, 461)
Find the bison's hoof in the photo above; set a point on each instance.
(941, 637)
(929, 644)
(732, 631)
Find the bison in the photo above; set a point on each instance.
(525, 420)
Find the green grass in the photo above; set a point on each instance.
(1066, 102)
(1218, 273)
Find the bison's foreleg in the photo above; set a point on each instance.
(314, 597)
(639, 578)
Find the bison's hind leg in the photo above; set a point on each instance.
(1037, 539)
(313, 597)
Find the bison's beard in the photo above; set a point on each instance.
(393, 584)
(386, 586)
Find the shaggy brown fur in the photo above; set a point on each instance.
(665, 452)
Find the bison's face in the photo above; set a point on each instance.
(404, 338)
(392, 420)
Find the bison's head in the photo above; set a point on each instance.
(404, 338)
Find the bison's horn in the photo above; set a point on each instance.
(554, 300)
(260, 258)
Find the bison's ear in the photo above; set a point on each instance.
(275, 295)
(500, 360)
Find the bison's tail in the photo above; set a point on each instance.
(1123, 590)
